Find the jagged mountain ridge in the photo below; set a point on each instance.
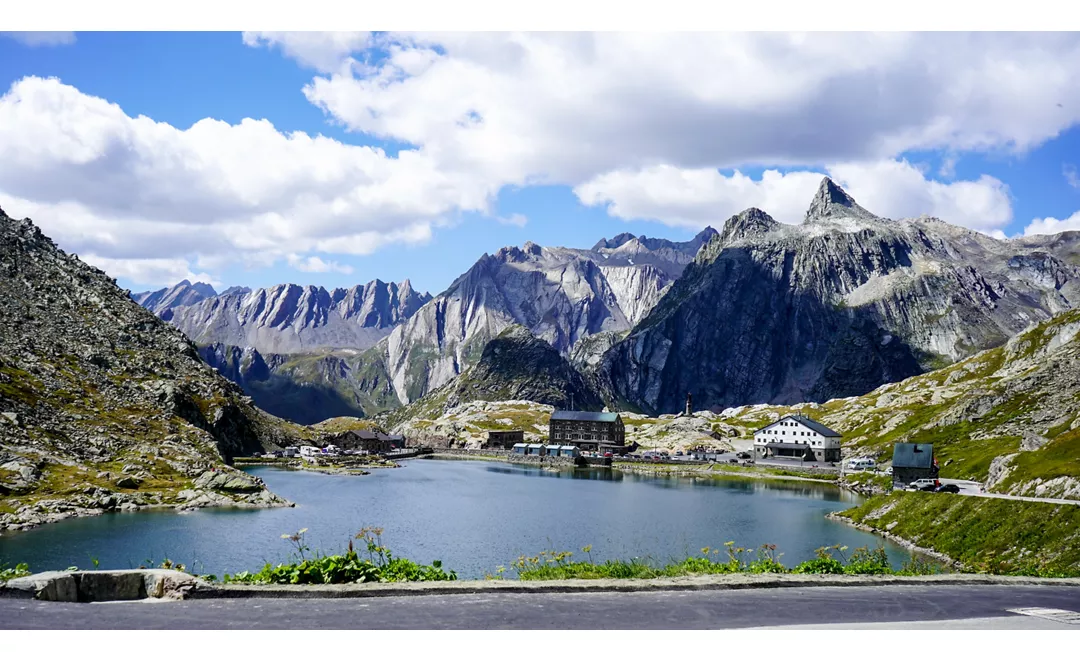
(180, 294)
(846, 301)
(289, 318)
(561, 295)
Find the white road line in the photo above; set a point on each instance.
(1061, 616)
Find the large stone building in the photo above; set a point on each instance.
(797, 436)
(373, 441)
(504, 439)
(912, 461)
(590, 431)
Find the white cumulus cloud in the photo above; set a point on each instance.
(129, 188)
(322, 51)
(564, 108)
(1053, 225)
(696, 197)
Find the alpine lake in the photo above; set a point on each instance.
(473, 515)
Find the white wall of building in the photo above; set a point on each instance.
(795, 432)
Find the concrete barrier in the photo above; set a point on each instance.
(123, 585)
(97, 586)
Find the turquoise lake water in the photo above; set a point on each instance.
(473, 515)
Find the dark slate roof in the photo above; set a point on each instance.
(911, 455)
(815, 426)
(582, 416)
(786, 445)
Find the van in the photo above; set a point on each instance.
(861, 464)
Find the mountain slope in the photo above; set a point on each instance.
(561, 295)
(833, 307)
(307, 388)
(514, 366)
(1008, 416)
(289, 318)
(103, 403)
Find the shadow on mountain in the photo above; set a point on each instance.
(303, 402)
(735, 331)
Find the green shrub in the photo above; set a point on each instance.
(379, 566)
(551, 565)
(20, 570)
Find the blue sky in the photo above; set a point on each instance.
(582, 138)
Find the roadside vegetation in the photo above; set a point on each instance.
(833, 560)
(10, 573)
(379, 565)
(985, 535)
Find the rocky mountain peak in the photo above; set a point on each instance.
(831, 201)
(751, 222)
(615, 242)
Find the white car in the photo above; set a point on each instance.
(920, 484)
(888, 470)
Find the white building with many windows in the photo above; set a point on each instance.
(798, 436)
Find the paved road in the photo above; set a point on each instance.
(744, 608)
(974, 488)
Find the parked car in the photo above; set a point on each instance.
(924, 484)
(743, 455)
(733, 460)
(948, 488)
(608, 454)
(888, 470)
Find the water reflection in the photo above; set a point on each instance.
(590, 473)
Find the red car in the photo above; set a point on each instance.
(608, 454)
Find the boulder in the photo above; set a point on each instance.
(127, 482)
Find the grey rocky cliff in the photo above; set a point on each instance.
(846, 301)
(514, 366)
(561, 295)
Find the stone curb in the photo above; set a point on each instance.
(100, 586)
(96, 586)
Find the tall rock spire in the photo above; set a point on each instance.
(832, 201)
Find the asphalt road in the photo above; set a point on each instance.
(893, 606)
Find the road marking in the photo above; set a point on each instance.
(1061, 616)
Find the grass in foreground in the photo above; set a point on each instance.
(829, 560)
(986, 535)
(349, 568)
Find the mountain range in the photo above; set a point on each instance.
(561, 295)
(287, 318)
(759, 312)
